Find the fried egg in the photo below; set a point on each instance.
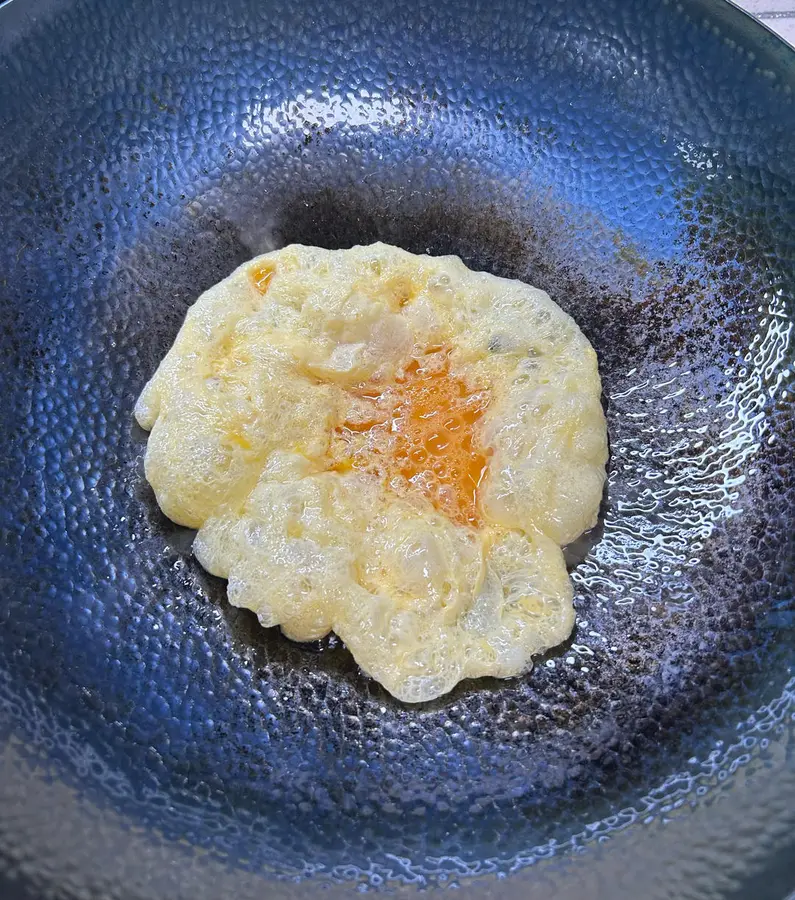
(387, 446)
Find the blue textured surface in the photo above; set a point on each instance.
(635, 161)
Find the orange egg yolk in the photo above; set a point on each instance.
(261, 275)
(425, 431)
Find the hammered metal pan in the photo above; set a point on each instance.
(636, 160)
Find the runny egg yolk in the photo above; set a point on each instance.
(425, 429)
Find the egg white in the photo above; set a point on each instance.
(244, 414)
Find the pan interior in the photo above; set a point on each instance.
(579, 151)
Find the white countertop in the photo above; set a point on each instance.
(776, 14)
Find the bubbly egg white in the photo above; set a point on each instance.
(293, 423)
